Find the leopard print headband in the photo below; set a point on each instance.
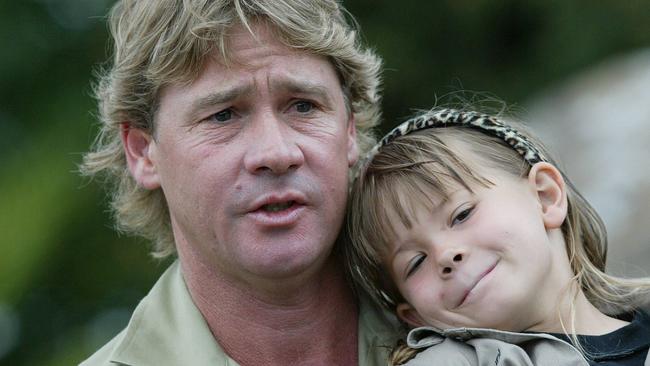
(451, 117)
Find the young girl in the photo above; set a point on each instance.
(464, 226)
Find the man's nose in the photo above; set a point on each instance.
(449, 260)
(272, 147)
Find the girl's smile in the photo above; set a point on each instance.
(476, 289)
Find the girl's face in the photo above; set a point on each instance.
(494, 258)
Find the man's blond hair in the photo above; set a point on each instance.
(163, 42)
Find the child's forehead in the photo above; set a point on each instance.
(414, 193)
(408, 199)
(434, 182)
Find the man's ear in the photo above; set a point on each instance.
(353, 149)
(409, 315)
(547, 182)
(139, 147)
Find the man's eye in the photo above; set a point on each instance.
(221, 116)
(304, 106)
(462, 216)
(414, 264)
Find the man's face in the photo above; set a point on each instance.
(253, 159)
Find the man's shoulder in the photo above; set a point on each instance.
(166, 328)
(103, 356)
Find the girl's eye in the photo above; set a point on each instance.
(414, 264)
(462, 216)
(221, 116)
(304, 106)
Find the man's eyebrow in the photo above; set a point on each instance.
(304, 87)
(215, 98)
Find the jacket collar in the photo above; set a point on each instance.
(423, 337)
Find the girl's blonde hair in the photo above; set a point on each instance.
(162, 42)
(418, 165)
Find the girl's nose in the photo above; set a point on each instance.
(450, 260)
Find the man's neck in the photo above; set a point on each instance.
(315, 324)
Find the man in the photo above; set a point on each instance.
(229, 129)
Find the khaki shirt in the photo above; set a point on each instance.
(167, 329)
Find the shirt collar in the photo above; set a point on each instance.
(168, 321)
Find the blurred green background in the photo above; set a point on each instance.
(68, 282)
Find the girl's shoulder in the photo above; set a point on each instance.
(476, 346)
(445, 352)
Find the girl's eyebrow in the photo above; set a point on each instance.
(396, 249)
(397, 243)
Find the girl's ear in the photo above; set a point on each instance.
(548, 184)
(409, 315)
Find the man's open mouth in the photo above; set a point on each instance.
(276, 207)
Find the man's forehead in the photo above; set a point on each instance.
(272, 68)
(243, 44)
(246, 51)
(288, 66)
(288, 75)
(238, 47)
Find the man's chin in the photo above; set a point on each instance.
(287, 264)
